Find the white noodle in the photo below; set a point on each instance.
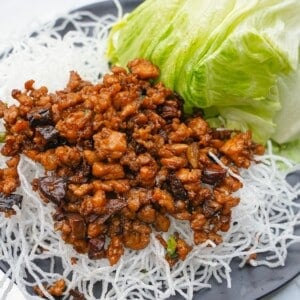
(229, 171)
(263, 222)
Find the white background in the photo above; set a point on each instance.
(19, 15)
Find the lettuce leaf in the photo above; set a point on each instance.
(288, 118)
(290, 150)
(238, 60)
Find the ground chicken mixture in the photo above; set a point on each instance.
(121, 159)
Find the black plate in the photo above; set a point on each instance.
(248, 283)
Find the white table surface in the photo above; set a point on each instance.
(15, 17)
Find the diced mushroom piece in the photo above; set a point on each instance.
(176, 187)
(77, 225)
(39, 116)
(8, 201)
(96, 247)
(114, 205)
(49, 133)
(52, 188)
(171, 109)
(76, 295)
(213, 174)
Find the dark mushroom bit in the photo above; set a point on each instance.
(121, 159)
(7, 202)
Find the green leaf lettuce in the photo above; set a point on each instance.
(238, 60)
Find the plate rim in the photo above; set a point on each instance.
(125, 3)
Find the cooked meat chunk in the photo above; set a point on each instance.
(108, 171)
(136, 235)
(162, 222)
(238, 149)
(143, 69)
(3, 107)
(76, 125)
(164, 199)
(115, 249)
(9, 179)
(56, 289)
(110, 144)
